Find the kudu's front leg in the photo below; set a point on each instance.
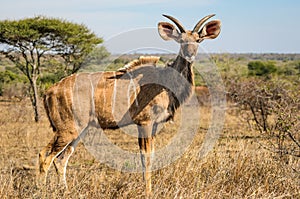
(146, 143)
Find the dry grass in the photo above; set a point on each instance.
(237, 168)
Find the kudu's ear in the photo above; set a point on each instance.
(210, 30)
(167, 31)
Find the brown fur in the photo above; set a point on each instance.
(139, 93)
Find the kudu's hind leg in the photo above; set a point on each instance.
(56, 146)
(44, 163)
(60, 164)
(61, 160)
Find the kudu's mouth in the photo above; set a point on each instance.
(189, 51)
(190, 59)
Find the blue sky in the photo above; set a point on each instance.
(265, 26)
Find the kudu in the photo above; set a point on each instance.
(85, 99)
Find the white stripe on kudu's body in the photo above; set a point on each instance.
(113, 102)
(140, 94)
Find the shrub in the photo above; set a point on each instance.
(272, 108)
(259, 68)
(297, 66)
(8, 81)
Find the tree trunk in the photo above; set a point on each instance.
(35, 98)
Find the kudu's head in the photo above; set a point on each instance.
(189, 39)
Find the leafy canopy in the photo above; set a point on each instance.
(33, 37)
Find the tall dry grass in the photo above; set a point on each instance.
(237, 167)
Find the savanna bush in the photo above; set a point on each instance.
(10, 83)
(272, 108)
(259, 68)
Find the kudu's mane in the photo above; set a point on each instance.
(141, 61)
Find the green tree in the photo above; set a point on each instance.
(97, 55)
(28, 42)
(259, 68)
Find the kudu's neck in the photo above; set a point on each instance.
(184, 68)
(183, 89)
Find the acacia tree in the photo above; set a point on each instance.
(26, 43)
